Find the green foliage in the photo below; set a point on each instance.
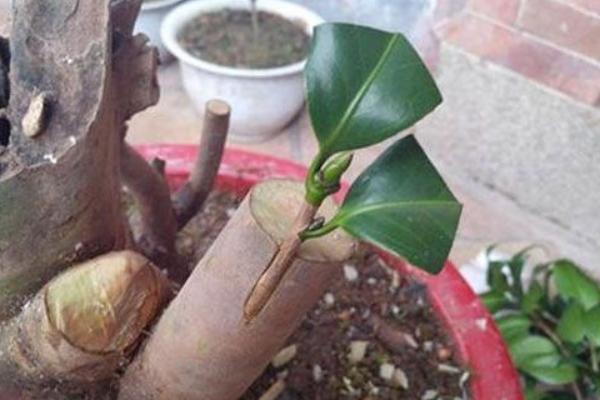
(364, 86)
(553, 338)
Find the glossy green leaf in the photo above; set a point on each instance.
(494, 301)
(572, 283)
(363, 86)
(571, 326)
(513, 326)
(592, 325)
(401, 204)
(535, 351)
(496, 278)
(558, 375)
(533, 297)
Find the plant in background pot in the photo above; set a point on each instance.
(150, 20)
(222, 56)
(552, 327)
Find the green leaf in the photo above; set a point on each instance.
(401, 204)
(571, 326)
(513, 326)
(363, 86)
(494, 301)
(532, 299)
(558, 375)
(592, 325)
(572, 283)
(496, 278)
(535, 351)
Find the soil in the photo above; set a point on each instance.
(370, 303)
(227, 38)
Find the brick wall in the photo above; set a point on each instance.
(554, 42)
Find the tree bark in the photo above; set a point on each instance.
(202, 347)
(60, 188)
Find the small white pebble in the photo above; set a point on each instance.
(51, 157)
(395, 309)
(430, 395)
(428, 346)
(372, 281)
(464, 378)
(366, 314)
(410, 340)
(358, 350)
(329, 299)
(350, 273)
(374, 390)
(386, 371)
(418, 331)
(317, 373)
(395, 280)
(348, 385)
(285, 356)
(448, 369)
(400, 379)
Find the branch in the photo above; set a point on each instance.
(189, 199)
(157, 237)
(273, 275)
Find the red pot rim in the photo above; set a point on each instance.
(482, 350)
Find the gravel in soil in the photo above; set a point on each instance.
(372, 336)
(228, 38)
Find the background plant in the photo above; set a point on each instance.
(552, 327)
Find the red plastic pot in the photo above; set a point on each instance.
(478, 341)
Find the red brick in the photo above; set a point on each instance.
(592, 6)
(525, 55)
(562, 25)
(504, 11)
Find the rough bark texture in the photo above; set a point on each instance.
(59, 191)
(157, 228)
(202, 348)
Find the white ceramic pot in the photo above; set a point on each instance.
(150, 20)
(263, 101)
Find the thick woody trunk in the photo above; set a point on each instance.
(79, 328)
(73, 65)
(202, 347)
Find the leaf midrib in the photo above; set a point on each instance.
(361, 93)
(402, 204)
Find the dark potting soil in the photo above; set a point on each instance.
(227, 38)
(370, 304)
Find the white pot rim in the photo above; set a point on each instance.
(185, 12)
(153, 5)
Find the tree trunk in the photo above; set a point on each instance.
(80, 327)
(202, 347)
(72, 65)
